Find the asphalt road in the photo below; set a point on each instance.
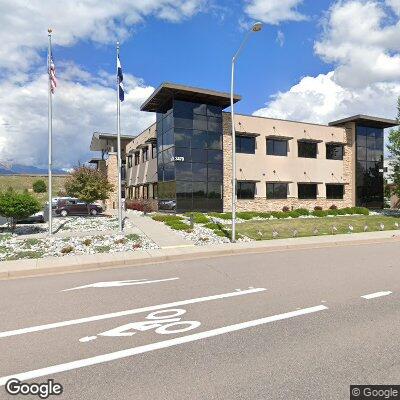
(281, 325)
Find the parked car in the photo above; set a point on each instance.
(76, 207)
(32, 219)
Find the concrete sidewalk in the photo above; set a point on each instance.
(160, 234)
(54, 265)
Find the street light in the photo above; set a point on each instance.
(255, 28)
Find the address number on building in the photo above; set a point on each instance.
(177, 158)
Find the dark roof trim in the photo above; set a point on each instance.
(248, 134)
(310, 183)
(279, 181)
(151, 140)
(248, 180)
(367, 120)
(337, 183)
(336, 142)
(158, 101)
(307, 140)
(279, 137)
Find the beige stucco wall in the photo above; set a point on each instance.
(264, 168)
(145, 172)
(112, 177)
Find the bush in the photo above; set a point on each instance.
(246, 215)
(67, 249)
(226, 215)
(285, 209)
(198, 217)
(133, 237)
(39, 186)
(319, 213)
(317, 208)
(302, 211)
(166, 217)
(333, 207)
(178, 225)
(17, 205)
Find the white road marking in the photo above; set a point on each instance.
(129, 282)
(155, 346)
(377, 294)
(124, 313)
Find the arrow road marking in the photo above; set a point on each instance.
(126, 312)
(155, 346)
(377, 294)
(129, 282)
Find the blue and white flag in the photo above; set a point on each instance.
(120, 79)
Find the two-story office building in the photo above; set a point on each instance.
(183, 162)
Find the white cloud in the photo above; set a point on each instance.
(280, 38)
(274, 11)
(23, 24)
(362, 42)
(79, 109)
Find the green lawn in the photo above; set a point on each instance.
(285, 228)
(21, 182)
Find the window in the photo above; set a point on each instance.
(245, 144)
(246, 190)
(277, 190)
(145, 154)
(146, 191)
(153, 150)
(129, 161)
(334, 151)
(137, 158)
(137, 192)
(277, 147)
(334, 191)
(307, 191)
(307, 149)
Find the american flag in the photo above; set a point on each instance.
(52, 74)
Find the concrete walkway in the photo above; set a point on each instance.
(159, 233)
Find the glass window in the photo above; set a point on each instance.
(168, 122)
(129, 161)
(145, 154)
(214, 140)
(169, 172)
(137, 158)
(334, 152)
(200, 122)
(246, 190)
(168, 139)
(214, 190)
(214, 172)
(361, 153)
(199, 108)
(183, 123)
(307, 191)
(334, 191)
(214, 156)
(214, 124)
(183, 153)
(307, 149)
(277, 190)
(199, 139)
(153, 150)
(277, 147)
(245, 144)
(184, 171)
(214, 111)
(371, 138)
(183, 137)
(199, 155)
(183, 109)
(199, 171)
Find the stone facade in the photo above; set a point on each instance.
(112, 176)
(264, 204)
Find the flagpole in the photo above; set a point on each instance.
(119, 149)
(50, 134)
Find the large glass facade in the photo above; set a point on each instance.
(369, 166)
(189, 157)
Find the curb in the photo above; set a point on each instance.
(70, 264)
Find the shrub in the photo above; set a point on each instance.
(333, 207)
(319, 213)
(87, 242)
(360, 210)
(246, 215)
(120, 241)
(285, 209)
(39, 186)
(166, 217)
(226, 215)
(133, 237)
(178, 225)
(198, 217)
(67, 249)
(302, 211)
(317, 208)
(17, 205)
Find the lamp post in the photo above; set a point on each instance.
(255, 28)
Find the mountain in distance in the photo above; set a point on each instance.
(19, 169)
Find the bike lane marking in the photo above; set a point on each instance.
(117, 314)
(156, 346)
(129, 282)
(375, 295)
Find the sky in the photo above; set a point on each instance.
(314, 61)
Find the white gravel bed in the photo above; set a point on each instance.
(13, 248)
